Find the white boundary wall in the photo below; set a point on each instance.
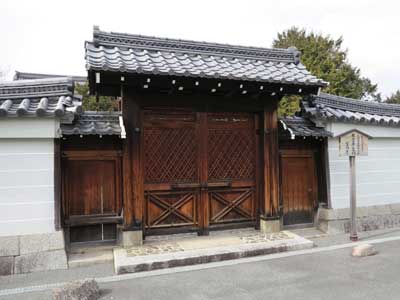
(378, 174)
(27, 176)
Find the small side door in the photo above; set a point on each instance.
(92, 195)
(298, 186)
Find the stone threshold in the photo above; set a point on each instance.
(87, 254)
(202, 250)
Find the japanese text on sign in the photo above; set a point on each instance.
(353, 143)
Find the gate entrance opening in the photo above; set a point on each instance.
(199, 169)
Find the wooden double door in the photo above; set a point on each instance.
(199, 169)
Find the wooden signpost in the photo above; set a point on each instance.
(353, 143)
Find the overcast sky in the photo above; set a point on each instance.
(48, 36)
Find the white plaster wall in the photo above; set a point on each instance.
(26, 184)
(29, 127)
(378, 174)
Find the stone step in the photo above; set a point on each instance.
(184, 253)
(91, 258)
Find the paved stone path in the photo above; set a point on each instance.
(189, 242)
(154, 249)
(260, 238)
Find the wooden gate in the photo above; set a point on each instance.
(91, 194)
(199, 169)
(231, 167)
(298, 186)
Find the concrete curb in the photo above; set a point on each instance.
(132, 264)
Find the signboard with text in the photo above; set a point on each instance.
(353, 143)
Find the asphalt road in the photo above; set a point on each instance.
(324, 275)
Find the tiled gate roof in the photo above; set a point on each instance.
(299, 126)
(95, 123)
(138, 54)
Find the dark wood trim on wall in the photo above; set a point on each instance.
(111, 86)
(326, 184)
(57, 184)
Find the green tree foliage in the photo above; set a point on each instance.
(324, 57)
(394, 98)
(289, 105)
(90, 103)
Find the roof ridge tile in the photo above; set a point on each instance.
(354, 105)
(337, 108)
(115, 39)
(25, 96)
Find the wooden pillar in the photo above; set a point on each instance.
(203, 172)
(127, 168)
(259, 168)
(133, 190)
(270, 202)
(127, 181)
(137, 167)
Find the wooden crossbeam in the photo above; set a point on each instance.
(231, 205)
(171, 209)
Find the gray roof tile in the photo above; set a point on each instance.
(331, 107)
(299, 126)
(151, 55)
(50, 97)
(26, 76)
(95, 123)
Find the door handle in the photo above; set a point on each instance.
(201, 185)
(185, 185)
(219, 184)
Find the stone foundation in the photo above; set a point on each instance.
(130, 238)
(375, 217)
(270, 226)
(32, 253)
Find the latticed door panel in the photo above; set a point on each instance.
(231, 205)
(199, 168)
(171, 209)
(171, 148)
(231, 147)
(170, 161)
(231, 159)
